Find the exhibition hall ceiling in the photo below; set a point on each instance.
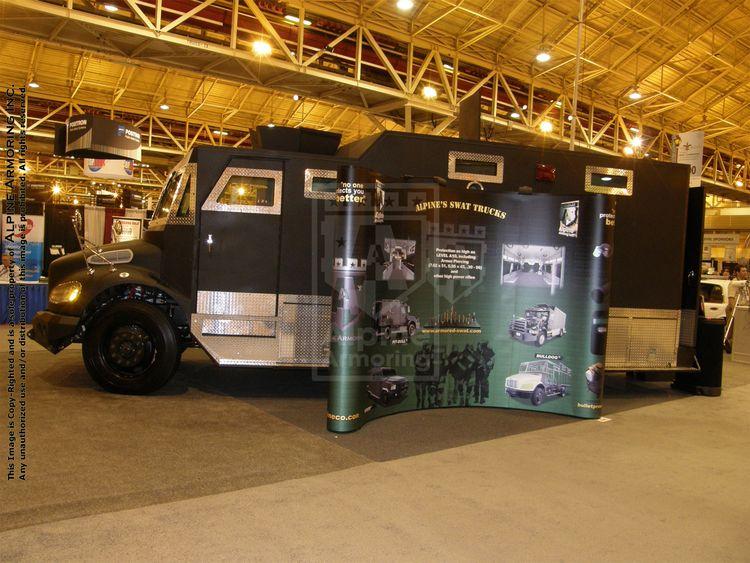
(209, 71)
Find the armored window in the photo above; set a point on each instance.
(168, 195)
(320, 183)
(246, 190)
(612, 181)
(184, 209)
(475, 167)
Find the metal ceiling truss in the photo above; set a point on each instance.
(378, 60)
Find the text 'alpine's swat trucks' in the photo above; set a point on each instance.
(225, 263)
(538, 324)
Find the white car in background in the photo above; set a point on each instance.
(715, 295)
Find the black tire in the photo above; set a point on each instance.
(131, 347)
(387, 333)
(537, 397)
(541, 338)
(412, 329)
(385, 399)
(563, 391)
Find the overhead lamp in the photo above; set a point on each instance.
(241, 190)
(570, 118)
(634, 130)
(111, 8)
(635, 94)
(405, 5)
(295, 97)
(543, 56)
(261, 48)
(628, 150)
(271, 125)
(295, 19)
(164, 107)
(429, 92)
(545, 126)
(515, 115)
(217, 132)
(448, 67)
(524, 107)
(33, 84)
(606, 178)
(56, 189)
(75, 201)
(739, 183)
(636, 142)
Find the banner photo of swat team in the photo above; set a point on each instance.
(458, 298)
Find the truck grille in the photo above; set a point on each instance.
(511, 383)
(519, 325)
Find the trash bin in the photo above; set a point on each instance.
(710, 353)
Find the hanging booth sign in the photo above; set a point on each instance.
(22, 247)
(690, 152)
(108, 169)
(453, 297)
(91, 136)
(126, 228)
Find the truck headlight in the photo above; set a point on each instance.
(66, 292)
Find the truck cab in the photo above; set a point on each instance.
(538, 324)
(539, 379)
(392, 317)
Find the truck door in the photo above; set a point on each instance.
(238, 264)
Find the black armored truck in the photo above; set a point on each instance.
(235, 255)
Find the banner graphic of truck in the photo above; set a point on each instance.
(539, 379)
(538, 324)
(392, 317)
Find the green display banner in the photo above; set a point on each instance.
(456, 298)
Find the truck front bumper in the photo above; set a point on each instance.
(53, 331)
(518, 392)
(522, 336)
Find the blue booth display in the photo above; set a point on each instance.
(36, 300)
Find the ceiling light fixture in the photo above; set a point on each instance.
(634, 130)
(628, 150)
(545, 126)
(635, 94)
(515, 115)
(739, 183)
(295, 97)
(111, 8)
(606, 178)
(429, 93)
(570, 118)
(524, 106)
(448, 67)
(75, 201)
(33, 84)
(543, 56)
(636, 142)
(295, 19)
(405, 5)
(261, 48)
(272, 125)
(56, 189)
(217, 132)
(164, 107)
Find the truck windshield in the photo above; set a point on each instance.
(168, 194)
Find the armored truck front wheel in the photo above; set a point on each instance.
(131, 347)
(412, 329)
(537, 397)
(541, 338)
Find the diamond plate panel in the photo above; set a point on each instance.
(217, 326)
(212, 201)
(642, 338)
(236, 303)
(453, 156)
(305, 328)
